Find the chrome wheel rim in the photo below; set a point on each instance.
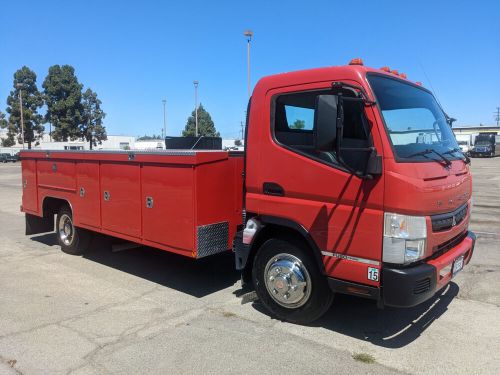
(287, 280)
(66, 229)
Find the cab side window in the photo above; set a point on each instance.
(294, 127)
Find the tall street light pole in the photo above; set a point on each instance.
(248, 34)
(195, 83)
(20, 87)
(164, 101)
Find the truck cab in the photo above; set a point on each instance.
(354, 182)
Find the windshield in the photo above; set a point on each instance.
(415, 123)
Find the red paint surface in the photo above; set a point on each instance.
(188, 191)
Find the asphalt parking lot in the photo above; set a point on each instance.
(145, 311)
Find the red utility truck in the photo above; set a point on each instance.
(351, 182)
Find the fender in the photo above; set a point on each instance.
(245, 252)
(287, 223)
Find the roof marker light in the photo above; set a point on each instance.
(402, 75)
(395, 72)
(386, 69)
(418, 83)
(356, 61)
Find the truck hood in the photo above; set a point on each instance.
(426, 188)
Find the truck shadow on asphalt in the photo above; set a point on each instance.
(389, 327)
(350, 316)
(196, 277)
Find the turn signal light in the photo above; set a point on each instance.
(386, 69)
(356, 61)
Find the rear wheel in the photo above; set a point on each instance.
(289, 283)
(72, 240)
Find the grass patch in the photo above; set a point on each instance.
(227, 314)
(363, 357)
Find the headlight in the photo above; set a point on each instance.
(404, 238)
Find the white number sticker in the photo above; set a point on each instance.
(372, 274)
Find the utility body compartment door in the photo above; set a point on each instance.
(168, 206)
(30, 191)
(88, 195)
(121, 198)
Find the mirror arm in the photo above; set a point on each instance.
(359, 91)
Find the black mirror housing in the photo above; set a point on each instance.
(325, 122)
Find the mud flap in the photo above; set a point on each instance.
(36, 224)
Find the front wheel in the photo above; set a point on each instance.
(72, 240)
(289, 283)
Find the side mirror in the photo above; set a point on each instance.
(450, 121)
(325, 122)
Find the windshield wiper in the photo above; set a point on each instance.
(427, 151)
(465, 159)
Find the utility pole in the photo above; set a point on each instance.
(248, 34)
(195, 83)
(164, 131)
(242, 131)
(497, 116)
(19, 85)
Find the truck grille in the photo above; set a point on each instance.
(448, 220)
(445, 246)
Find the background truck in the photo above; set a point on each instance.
(486, 144)
(360, 199)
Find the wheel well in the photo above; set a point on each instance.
(51, 206)
(282, 232)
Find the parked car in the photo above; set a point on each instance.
(6, 158)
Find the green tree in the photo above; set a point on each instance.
(91, 127)
(298, 124)
(3, 121)
(206, 126)
(9, 140)
(25, 81)
(63, 96)
(149, 137)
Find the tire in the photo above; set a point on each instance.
(73, 240)
(304, 304)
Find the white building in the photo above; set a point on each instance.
(114, 142)
(152, 145)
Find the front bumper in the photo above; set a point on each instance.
(480, 153)
(407, 287)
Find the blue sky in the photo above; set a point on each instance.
(135, 53)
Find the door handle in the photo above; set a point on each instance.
(271, 188)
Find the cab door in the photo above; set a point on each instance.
(343, 213)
